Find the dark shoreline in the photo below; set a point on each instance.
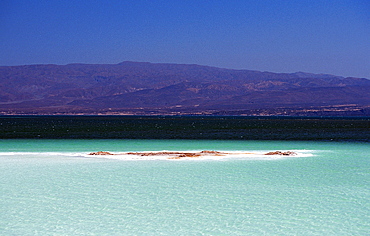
(185, 127)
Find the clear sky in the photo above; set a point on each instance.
(318, 36)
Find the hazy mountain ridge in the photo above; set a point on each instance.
(170, 88)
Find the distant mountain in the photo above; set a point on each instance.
(148, 88)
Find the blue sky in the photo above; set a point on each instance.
(317, 36)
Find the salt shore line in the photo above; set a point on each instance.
(179, 155)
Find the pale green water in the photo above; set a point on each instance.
(49, 188)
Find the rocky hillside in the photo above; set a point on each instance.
(147, 88)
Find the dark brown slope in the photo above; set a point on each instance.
(168, 88)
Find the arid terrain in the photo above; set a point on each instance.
(136, 88)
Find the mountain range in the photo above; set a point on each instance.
(141, 88)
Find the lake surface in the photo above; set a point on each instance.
(52, 187)
(186, 127)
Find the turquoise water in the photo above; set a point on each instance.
(50, 187)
